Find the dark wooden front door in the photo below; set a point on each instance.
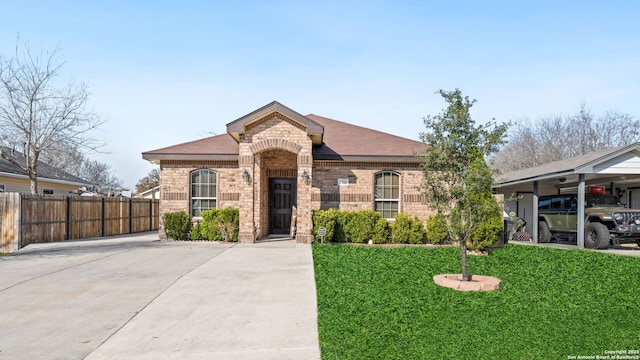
(282, 195)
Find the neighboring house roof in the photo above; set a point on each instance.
(44, 170)
(153, 189)
(584, 164)
(339, 141)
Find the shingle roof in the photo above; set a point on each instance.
(341, 141)
(219, 146)
(45, 171)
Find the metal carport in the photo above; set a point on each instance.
(618, 169)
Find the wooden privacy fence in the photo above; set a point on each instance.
(29, 219)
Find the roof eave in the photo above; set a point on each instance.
(535, 178)
(44, 179)
(166, 156)
(368, 158)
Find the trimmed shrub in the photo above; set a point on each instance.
(360, 226)
(437, 230)
(351, 226)
(407, 230)
(381, 231)
(176, 225)
(343, 218)
(328, 219)
(221, 224)
(196, 232)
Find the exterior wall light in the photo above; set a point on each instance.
(305, 177)
(246, 177)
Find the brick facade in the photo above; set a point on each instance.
(278, 145)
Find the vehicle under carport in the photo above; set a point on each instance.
(614, 172)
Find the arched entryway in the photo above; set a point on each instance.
(278, 191)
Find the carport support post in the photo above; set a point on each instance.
(581, 199)
(534, 214)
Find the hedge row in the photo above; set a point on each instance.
(362, 226)
(217, 224)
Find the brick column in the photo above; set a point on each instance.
(246, 203)
(304, 232)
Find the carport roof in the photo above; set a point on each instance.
(584, 164)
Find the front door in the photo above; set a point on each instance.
(282, 194)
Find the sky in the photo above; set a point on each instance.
(167, 72)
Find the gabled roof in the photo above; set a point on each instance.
(45, 171)
(584, 164)
(340, 141)
(237, 127)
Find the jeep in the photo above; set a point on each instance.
(607, 221)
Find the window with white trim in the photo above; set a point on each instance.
(203, 191)
(387, 194)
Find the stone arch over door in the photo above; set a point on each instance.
(270, 144)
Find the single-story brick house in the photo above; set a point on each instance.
(275, 158)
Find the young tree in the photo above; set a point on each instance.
(148, 182)
(457, 180)
(37, 114)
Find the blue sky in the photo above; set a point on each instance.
(163, 72)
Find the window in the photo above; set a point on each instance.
(47, 191)
(343, 181)
(387, 194)
(203, 191)
(1, 188)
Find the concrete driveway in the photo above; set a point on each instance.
(136, 297)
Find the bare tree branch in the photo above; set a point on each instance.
(39, 115)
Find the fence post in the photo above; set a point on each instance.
(130, 215)
(102, 217)
(150, 214)
(20, 223)
(68, 222)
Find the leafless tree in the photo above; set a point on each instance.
(38, 114)
(100, 175)
(555, 138)
(151, 180)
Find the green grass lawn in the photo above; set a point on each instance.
(382, 303)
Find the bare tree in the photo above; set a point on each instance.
(555, 138)
(64, 157)
(151, 180)
(100, 175)
(37, 114)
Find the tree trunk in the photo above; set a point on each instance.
(463, 260)
(32, 163)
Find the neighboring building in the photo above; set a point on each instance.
(153, 193)
(616, 170)
(51, 180)
(275, 158)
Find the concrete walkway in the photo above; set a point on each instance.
(136, 297)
